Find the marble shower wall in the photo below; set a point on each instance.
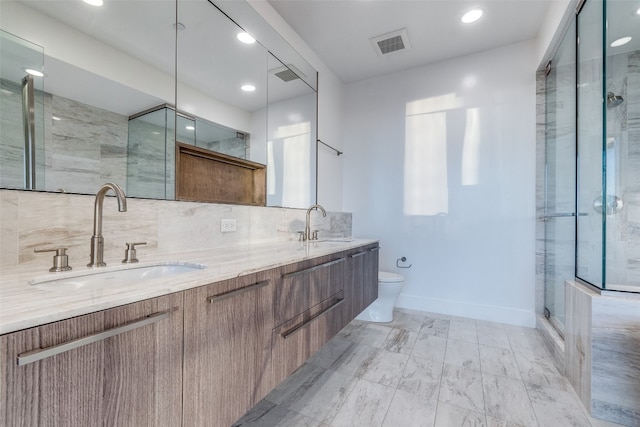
(31, 220)
(602, 361)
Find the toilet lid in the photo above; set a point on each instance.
(385, 276)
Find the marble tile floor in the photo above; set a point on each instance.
(426, 369)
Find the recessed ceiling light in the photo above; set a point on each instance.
(471, 16)
(620, 42)
(248, 88)
(246, 38)
(94, 2)
(190, 127)
(33, 72)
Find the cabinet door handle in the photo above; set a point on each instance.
(43, 353)
(374, 249)
(231, 294)
(292, 331)
(310, 269)
(358, 255)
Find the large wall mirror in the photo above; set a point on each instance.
(126, 82)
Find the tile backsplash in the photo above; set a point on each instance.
(34, 220)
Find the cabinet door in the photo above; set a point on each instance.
(227, 349)
(354, 284)
(370, 277)
(297, 339)
(121, 366)
(361, 283)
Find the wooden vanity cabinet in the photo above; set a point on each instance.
(227, 345)
(238, 339)
(121, 366)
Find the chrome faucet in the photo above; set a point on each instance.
(97, 241)
(307, 229)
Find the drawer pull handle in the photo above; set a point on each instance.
(310, 269)
(234, 293)
(358, 255)
(374, 249)
(43, 353)
(292, 331)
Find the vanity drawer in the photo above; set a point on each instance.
(297, 339)
(306, 284)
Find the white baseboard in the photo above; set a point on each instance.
(465, 309)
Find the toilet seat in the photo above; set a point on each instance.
(386, 277)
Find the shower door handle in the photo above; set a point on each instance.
(547, 217)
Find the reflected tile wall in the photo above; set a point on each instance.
(30, 220)
(86, 147)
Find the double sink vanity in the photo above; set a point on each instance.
(197, 338)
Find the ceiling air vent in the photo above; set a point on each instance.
(287, 74)
(391, 42)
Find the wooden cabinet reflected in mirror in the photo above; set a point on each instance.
(209, 176)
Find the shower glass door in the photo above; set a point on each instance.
(591, 165)
(621, 149)
(560, 178)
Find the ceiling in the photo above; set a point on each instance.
(338, 31)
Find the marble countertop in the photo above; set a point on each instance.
(24, 306)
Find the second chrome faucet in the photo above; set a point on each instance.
(97, 240)
(307, 229)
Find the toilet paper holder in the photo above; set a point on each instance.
(403, 259)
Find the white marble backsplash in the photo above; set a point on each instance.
(34, 220)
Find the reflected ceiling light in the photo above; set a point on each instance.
(190, 127)
(620, 42)
(94, 2)
(246, 38)
(33, 72)
(248, 88)
(638, 12)
(56, 118)
(471, 16)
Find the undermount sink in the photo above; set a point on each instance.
(116, 276)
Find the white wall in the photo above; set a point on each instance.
(440, 166)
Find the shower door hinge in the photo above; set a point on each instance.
(547, 313)
(547, 69)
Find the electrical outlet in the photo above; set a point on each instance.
(227, 225)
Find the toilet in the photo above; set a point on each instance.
(389, 287)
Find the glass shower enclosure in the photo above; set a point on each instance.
(592, 154)
(608, 145)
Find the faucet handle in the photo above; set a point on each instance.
(301, 237)
(60, 259)
(314, 235)
(130, 252)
